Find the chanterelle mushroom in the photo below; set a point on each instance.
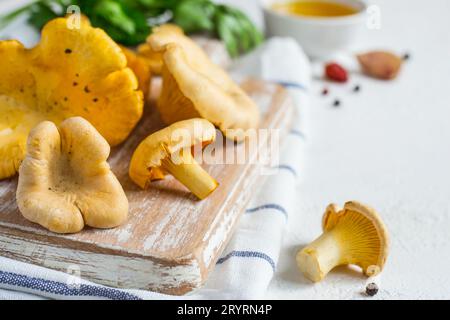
(71, 72)
(65, 181)
(170, 150)
(141, 69)
(215, 49)
(353, 235)
(194, 87)
(153, 59)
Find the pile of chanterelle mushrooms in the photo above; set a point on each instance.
(64, 102)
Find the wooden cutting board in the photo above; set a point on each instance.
(171, 241)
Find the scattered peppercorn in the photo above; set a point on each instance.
(325, 92)
(95, 99)
(65, 98)
(77, 75)
(406, 56)
(75, 84)
(357, 88)
(86, 89)
(336, 103)
(68, 51)
(372, 289)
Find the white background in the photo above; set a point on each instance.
(388, 146)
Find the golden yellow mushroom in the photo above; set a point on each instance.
(65, 181)
(141, 69)
(153, 59)
(170, 151)
(353, 235)
(194, 87)
(71, 72)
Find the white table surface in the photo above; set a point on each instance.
(388, 146)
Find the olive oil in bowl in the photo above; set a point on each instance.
(321, 27)
(318, 9)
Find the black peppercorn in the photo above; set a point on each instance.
(68, 51)
(371, 289)
(336, 103)
(406, 56)
(357, 88)
(325, 92)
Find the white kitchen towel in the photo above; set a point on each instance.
(248, 263)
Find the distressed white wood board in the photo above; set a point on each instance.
(171, 241)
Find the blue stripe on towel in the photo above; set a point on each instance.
(62, 289)
(287, 168)
(298, 133)
(248, 254)
(273, 206)
(293, 85)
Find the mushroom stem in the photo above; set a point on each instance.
(191, 175)
(319, 257)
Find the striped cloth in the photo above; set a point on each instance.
(250, 259)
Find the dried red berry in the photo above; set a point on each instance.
(325, 92)
(335, 72)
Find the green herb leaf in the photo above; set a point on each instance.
(126, 21)
(40, 14)
(112, 12)
(225, 30)
(194, 15)
(236, 30)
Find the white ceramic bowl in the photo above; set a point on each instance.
(320, 37)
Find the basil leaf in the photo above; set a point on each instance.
(126, 21)
(112, 12)
(225, 27)
(40, 14)
(194, 15)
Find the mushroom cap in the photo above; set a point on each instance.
(153, 59)
(141, 69)
(361, 233)
(71, 72)
(145, 164)
(196, 87)
(62, 187)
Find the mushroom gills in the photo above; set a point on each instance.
(354, 235)
(172, 104)
(187, 170)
